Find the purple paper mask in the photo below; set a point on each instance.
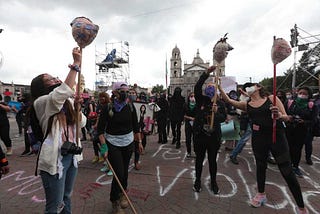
(209, 91)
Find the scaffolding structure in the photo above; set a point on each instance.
(112, 66)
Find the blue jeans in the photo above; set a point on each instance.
(58, 191)
(242, 142)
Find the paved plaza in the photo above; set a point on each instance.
(163, 185)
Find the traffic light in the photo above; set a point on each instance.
(294, 36)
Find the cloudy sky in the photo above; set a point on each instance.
(37, 36)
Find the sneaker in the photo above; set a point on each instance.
(26, 153)
(123, 201)
(304, 211)
(101, 160)
(258, 200)
(137, 166)
(309, 161)
(95, 159)
(105, 168)
(173, 141)
(9, 151)
(234, 160)
(271, 160)
(116, 208)
(196, 188)
(109, 173)
(178, 145)
(215, 189)
(297, 171)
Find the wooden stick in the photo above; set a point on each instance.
(214, 99)
(274, 122)
(121, 187)
(78, 106)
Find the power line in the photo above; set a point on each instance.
(314, 36)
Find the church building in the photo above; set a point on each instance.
(185, 77)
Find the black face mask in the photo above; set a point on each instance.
(50, 88)
(123, 95)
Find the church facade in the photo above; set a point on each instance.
(185, 77)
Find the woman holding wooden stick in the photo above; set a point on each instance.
(207, 130)
(117, 125)
(261, 111)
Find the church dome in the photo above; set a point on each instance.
(197, 59)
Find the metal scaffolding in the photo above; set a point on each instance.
(113, 65)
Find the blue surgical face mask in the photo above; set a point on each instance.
(133, 97)
(209, 91)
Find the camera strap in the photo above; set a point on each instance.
(66, 133)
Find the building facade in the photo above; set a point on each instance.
(10, 91)
(185, 77)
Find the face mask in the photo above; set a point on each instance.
(302, 96)
(192, 100)
(132, 97)
(209, 91)
(250, 90)
(289, 96)
(50, 88)
(123, 95)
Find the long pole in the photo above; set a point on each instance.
(78, 107)
(274, 122)
(293, 85)
(121, 187)
(214, 99)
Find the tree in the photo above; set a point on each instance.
(157, 89)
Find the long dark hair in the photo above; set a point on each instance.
(38, 89)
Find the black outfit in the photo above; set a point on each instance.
(188, 126)
(206, 141)
(162, 116)
(5, 127)
(3, 160)
(176, 115)
(119, 123)
(262, 143)
(298, 133)
(24, 109)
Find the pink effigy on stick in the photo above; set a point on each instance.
(280, 50)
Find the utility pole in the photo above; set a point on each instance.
(294, 44)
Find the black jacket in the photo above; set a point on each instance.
(203, 110)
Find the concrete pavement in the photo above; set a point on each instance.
(163, 185)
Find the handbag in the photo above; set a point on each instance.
(227, 127)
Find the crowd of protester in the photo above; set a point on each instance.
(117, 130)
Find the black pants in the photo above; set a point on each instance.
(176, 131)
(19, 119)
(261, 145)
(308, 145)
(162, 132)
(119, 158)
(189, 135)
(5, 133)
(296, 136)
(202, 144)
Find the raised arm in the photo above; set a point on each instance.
(238, 104)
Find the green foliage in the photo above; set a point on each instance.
(158, 89)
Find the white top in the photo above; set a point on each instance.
(45, 106)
